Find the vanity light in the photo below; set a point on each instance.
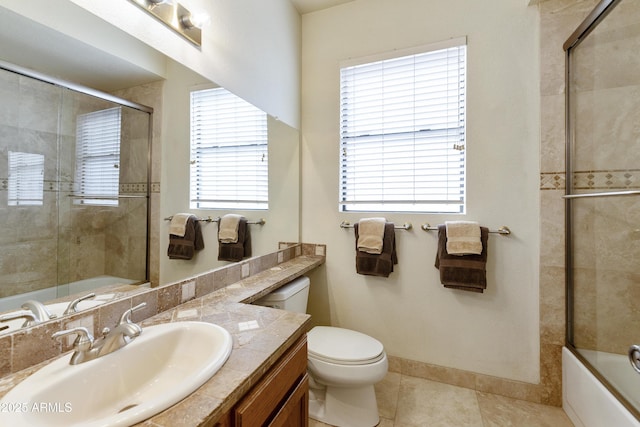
(194, 20)
(176, 17)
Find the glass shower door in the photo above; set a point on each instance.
(103, 205)
(603, 203)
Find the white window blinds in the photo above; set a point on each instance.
(402, 132)
(26, 179)
(229, 152)
(98, 157)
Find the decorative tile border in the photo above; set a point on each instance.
(607, 180)
(552, 181)
(593, 180)
(67, 186)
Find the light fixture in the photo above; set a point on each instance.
(176, 17)
(194, 20)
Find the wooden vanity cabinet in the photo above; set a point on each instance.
(281, 398)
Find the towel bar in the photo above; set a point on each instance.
(405, 226)
(207, 219)
(503, 230)
(261, 221)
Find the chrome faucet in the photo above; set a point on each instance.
(73, 305)
(33, 312)
(39, 310)
(88, 348)
(30, 318)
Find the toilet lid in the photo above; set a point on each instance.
(342, 345)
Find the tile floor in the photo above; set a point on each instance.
(405, 401)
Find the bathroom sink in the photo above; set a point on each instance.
(162, 366)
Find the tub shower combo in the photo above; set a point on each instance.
(74, 165)
(603, 217)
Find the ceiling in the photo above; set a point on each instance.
(307, 6)
(36, 47)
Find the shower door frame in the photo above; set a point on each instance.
(598, 14)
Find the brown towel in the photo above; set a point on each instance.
(466, 272)
(184, 247)
(382, 264)
(240, 249)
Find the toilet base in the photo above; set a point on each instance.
(344, 406)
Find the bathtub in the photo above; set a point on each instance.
(15, 301)
(586, 401)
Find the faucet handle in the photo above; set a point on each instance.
(73, 305)
(83, 341)
(126, 316)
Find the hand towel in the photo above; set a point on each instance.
(463, 238)
(371, 234)
(378, 264)
(178, 224)
(238, 250)
(184, 247)
(466, 272)
(228, 228)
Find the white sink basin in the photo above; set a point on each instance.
(56, 309)
(158, 369)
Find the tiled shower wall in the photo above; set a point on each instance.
(558, 19)
(57, 242)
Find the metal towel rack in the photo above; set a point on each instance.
(604, 194)
(207, 219)
(503, 230)
(261, 221)
(405, 226)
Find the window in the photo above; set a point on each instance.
(402, 131)
(26, 179)
(229, 156)
(98, 157)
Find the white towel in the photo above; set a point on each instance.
(371, 235)
(463, 238)
(228, 228)
(178, 224)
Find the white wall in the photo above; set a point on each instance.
(495, 333)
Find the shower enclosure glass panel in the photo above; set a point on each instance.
(74, 199)
(603, 204)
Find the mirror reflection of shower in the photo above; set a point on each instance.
(74, 166)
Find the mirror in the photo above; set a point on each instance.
(165, 88)
(75, 206)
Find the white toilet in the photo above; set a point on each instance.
(343, 365)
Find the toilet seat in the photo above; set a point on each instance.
(343, 346)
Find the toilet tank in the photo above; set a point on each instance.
(292, 296)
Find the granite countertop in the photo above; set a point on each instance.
(260, 336)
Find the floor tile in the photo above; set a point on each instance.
(405, 401)
(500, 411)
(428, 403)
(387, 392)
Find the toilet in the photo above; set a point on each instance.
(343, 365)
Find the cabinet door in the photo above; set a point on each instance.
(295, 411)
(264, 402)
